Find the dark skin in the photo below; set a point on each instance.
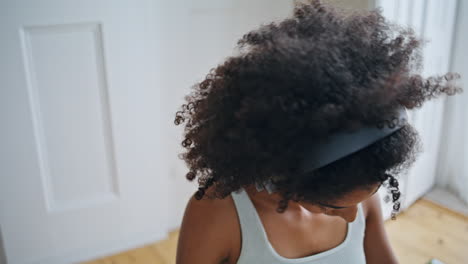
(306, 228)
(345, 207)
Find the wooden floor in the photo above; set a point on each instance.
(424, 231)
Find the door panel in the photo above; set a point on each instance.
(81, 175)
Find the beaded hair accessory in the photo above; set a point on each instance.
(339, 145)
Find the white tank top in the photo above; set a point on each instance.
(256, 247)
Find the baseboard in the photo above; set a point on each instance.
(446, 199)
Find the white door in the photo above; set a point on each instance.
(88, 91)
(80, 141)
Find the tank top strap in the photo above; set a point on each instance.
(253, 240)
(359, 224)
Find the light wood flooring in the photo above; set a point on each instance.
(424, 231)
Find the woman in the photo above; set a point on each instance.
(291, 139)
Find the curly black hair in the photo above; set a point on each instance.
(316, 73)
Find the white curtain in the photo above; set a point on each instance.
(434, 21)
(453, 163)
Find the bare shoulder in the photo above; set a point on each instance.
(365, 206)
(376, 243)
(372, 205)
(209, 232)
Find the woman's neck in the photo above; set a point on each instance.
(267, 200)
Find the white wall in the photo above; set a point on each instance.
(198, 35)
(352, 4)
(453, 169)
(348, 4)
